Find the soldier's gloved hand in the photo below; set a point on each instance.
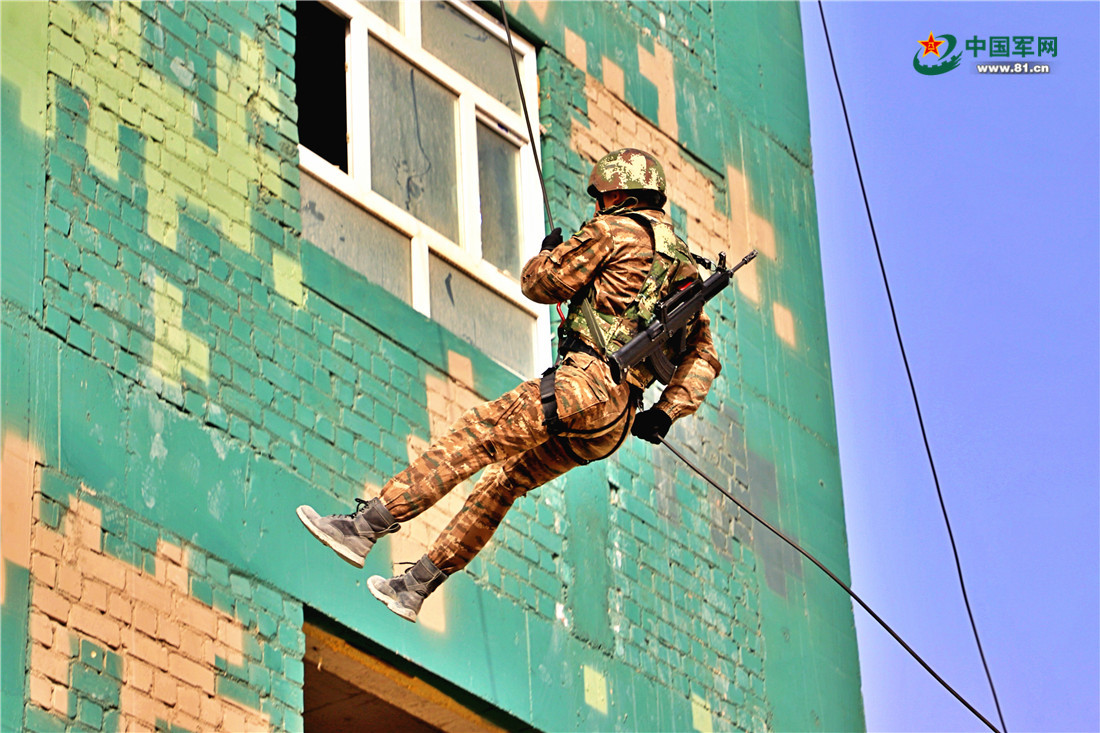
(651, 425)
(553, 239)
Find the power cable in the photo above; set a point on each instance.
(909, 374)
(832, 575)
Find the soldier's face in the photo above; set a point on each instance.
(613, 198)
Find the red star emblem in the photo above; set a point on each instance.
(930, 46)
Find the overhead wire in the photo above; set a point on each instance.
(703, 475)
(909, 374)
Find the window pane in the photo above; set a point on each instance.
(498, 177)
(471, 50)
(356, 238)
(387, 10)
(479, 315)
(412, 141)
(321, 88)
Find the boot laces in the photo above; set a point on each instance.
(360, 505)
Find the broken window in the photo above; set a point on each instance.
(321, 93)
(433, 162)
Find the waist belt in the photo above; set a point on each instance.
(549, 401)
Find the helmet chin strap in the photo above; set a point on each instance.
(628, 203)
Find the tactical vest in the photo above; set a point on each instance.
(673, 267)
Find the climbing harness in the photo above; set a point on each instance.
(555, 426)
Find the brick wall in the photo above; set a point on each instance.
(183, 370)
(172, 216)
(170, 258)
(134, 629)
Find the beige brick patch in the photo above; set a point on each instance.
(659, 68)
(748, 282)
(613, 78)
(41, 629)
(44, 567)
(167, 639)
(784, 323)
(41, 691)
(576, 50)
(461, 369)
(17, 473)
(744, 222)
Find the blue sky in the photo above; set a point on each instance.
(985, 195)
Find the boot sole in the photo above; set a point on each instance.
(390, 603)
(352, 558)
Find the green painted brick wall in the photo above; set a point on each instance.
(171, 344)
(270, 673)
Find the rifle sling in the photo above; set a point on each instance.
(590, 318)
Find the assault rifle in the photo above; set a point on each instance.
(671, 316)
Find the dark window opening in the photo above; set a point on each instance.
(332, 703)
(320, 78)
(351, 683)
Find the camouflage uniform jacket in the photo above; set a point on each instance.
(614, 253)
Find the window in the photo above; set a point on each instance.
(416, 167)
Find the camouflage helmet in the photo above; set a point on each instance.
(628, 169)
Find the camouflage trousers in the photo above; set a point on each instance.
(507, 434)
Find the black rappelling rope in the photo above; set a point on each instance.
(909, 374)
(832, 575)
(792, 543)
(526, 115)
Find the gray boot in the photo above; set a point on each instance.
(351, 535)
(406, 593)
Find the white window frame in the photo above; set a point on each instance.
(474, 105)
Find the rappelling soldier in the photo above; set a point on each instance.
(613, 272)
